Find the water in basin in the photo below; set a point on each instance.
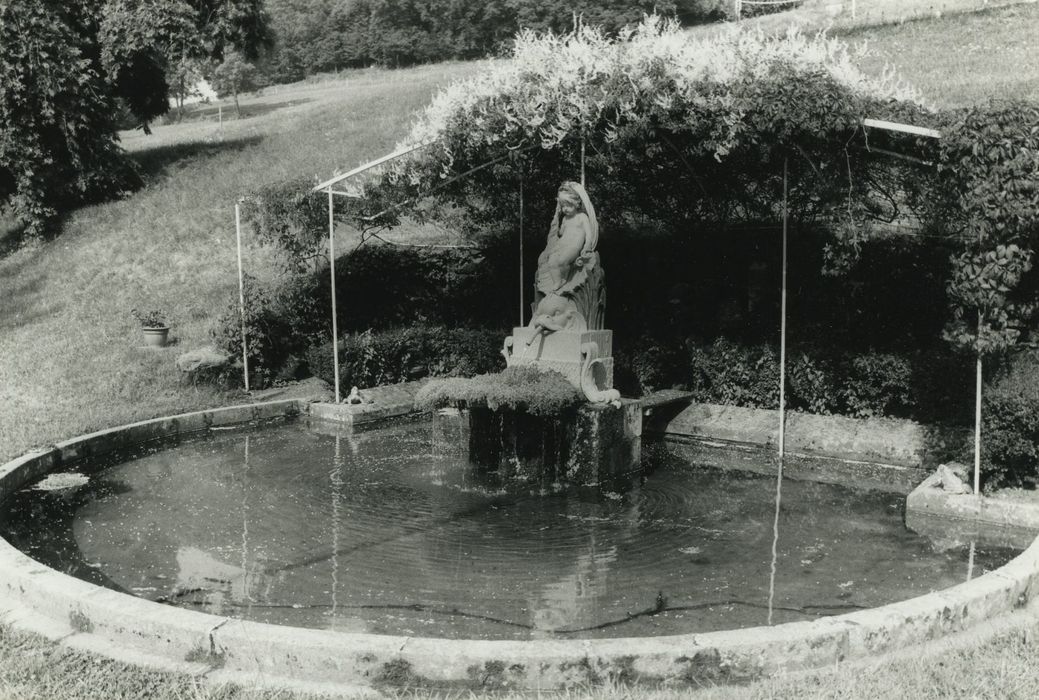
(390, 530)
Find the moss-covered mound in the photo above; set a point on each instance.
(529, 389)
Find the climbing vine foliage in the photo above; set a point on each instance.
(693, 136)
(988, 175)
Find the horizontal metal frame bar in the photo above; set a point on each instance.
(904, 128)
(324, 186)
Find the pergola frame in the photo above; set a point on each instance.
(329, 187)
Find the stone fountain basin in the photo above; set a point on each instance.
(81, 615)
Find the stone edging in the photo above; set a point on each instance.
(81, 614)
(939, 514)
(885, 453)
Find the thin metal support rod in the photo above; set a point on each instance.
(782, 327)
(582, 161)
(782, 411)
(522, 314)
(332, 277)
(977, 422)
(241, 292)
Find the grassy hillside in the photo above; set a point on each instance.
(69, 360)
(958, 60)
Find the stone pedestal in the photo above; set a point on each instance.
(571, 353)
(597, 444)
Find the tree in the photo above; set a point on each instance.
(323, 35)
(65, 64)
(185, 76)
(57, 134)
(233, 76)
(145, 41)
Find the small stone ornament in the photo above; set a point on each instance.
(355, 397)
(952, 478)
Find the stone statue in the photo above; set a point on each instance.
(568, 285)
(566, 332)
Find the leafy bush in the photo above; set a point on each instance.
(728, 373)
(1010, 426)
(528, 389)
(280, 319)
(876, 384)
(378, 287)
(930, 386)
(372, 358)
(649, 366)
(289, 215)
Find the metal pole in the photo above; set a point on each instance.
(582, 161)
(739, 9)
(332, 276)
(977, 423)
(782, 328)
(782, 411)
(241, 291)
(521, 312)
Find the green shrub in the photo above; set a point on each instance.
(649, 366)
(528, 389)
(280, 319)
(377, 287)
(1010, 426)
(729, 373)
(373, 358)
(876, 384)
(927, 385)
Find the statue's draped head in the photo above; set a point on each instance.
(568, 192)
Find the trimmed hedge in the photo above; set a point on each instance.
(373, 358)
(927, 386)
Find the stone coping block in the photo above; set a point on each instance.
(761, 459)
(954, 517)
(378, 403)
(82, 615)
(890, 441)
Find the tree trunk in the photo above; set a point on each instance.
(237, 109)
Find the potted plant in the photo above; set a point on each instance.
(154, 325)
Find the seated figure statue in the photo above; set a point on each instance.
(568, 289)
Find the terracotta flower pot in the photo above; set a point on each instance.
(156, 337)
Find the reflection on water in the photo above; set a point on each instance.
(391, 531)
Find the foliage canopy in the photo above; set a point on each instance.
(687, 135)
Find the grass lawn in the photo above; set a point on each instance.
(958, 60)
(69, 355)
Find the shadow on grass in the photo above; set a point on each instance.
(12, 233)
(152, 162)
(212, 112)
(22, 303)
